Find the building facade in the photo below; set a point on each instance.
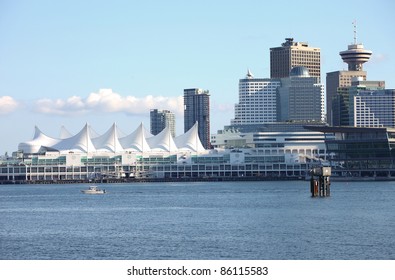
(197, 109)
(355, 56)
(361, 152)
(300, 97)
(160, 119)
(374, 108)
(231, 164)
(257, 101)
(84, 157)
(291, 54)
(334, 81)
(363, 104)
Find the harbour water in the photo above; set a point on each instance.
(201, 220)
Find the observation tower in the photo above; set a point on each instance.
(356, 55)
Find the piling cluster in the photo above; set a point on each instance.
(319, 182)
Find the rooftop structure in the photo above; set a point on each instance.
(355, 56)
(291, 54)
(140, 140)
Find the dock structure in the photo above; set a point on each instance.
(319, 182)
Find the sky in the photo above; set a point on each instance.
(68, 63)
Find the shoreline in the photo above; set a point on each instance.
(209, 179)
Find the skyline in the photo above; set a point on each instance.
(97, 62)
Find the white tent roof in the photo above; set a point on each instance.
(108, 141)
(39, 139)
(136, 141)
(190, 140)
(81, 142)
(163, 141)
(139, 140)
(64, 133)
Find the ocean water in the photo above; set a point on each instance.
(202, 220)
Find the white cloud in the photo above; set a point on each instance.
(378, 58)
(7, 105)
(70, 106)
(107, 101)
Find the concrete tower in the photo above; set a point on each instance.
(356, 55)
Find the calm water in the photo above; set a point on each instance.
(238, 220)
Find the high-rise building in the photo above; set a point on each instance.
(335, 81)
(197, 109)
(364, 104)
(159, 119)
(355, 56)
(291, 54)
(257, 101)
(375, 109)
(300, 97)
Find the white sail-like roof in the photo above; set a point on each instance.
(136, 141)
(108, 141)
(112, 141)
(190, 140)
(163, 141)
(81, 142)
(39, 140)
(92, 133)
(64, 133)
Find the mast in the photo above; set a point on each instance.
(87, 147)
(115, 126)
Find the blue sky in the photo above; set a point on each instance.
(72, 62)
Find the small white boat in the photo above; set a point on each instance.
(94, 190)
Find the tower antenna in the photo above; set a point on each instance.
(355, 31)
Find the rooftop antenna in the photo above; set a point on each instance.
(355, 31)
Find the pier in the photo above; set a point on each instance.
(319, 182)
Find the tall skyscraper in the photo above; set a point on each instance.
(197, 109)
(300, 97)
(335, 81)
(364, 104)
(160, 119)
(257, 101)
(291, 54)
(355, 56)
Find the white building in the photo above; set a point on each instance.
(301, 97)
(257, 101)
(112, 142)
(296, 147)
(87, 156)
(374, 108)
